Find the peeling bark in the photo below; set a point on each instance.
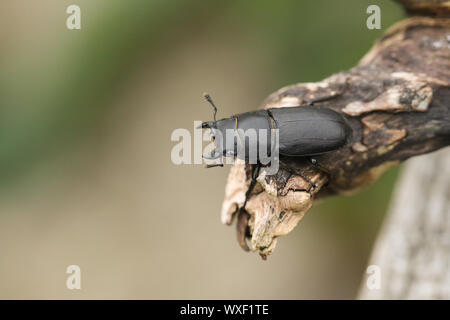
(396, 101)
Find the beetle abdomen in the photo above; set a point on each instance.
(309, 130)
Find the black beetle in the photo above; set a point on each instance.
(303, 131)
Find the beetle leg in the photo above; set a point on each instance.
(214, 155)
(313, 185)
(255, 173)
(214, 165)
(323, 99)
(301, 174)
(316, 164)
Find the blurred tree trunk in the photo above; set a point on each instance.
(413, 249)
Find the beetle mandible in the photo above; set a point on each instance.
(303, 131)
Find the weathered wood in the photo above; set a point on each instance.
(396, 101)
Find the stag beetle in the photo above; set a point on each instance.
(303, 131)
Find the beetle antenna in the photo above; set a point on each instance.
(208, 98)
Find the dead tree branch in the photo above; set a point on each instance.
(396, 100)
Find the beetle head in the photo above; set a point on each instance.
(212, 125)
(218, 129)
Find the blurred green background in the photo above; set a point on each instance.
(85, 123)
